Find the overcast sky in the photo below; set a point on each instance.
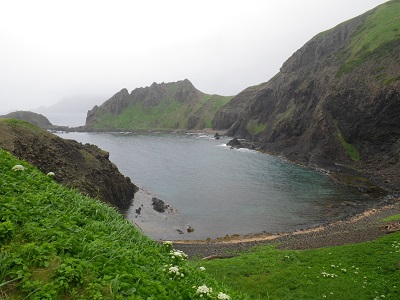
(56, 49)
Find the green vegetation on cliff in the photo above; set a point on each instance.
(253, 127)
(58, 244)
(377, 36)
(349, 73)
(168, 106)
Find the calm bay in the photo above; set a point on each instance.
(220, 191)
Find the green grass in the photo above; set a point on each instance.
(378, 35)
(208, 106)
(368, 270)
(135, 117)
(20, 123)
(349, 148)
(167, 115)
(58, 244)
(253, 127)
(351, 151)
(392, 218)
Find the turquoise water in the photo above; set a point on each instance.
(222, 191)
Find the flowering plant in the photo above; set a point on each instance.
(177, 255)
(168, 245)
(222, 296)
(18, 168)
(175, 272)
(203, 291)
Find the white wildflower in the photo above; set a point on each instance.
(202, 268)
(203, 290)
(18, 168)
(327, 275)
(222, 296)
(174, 270)
(178, 254)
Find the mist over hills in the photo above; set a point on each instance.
(77, 104)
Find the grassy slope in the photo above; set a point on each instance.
(375, 37)
(368, 270)
(58, 244)
(167, 115)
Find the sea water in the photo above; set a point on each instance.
(222, 191)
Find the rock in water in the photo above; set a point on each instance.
(159, 205)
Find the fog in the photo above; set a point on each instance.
(55, 50)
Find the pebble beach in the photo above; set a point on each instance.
(363, 227)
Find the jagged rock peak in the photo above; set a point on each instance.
(173, 105)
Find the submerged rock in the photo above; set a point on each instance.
(159, 205)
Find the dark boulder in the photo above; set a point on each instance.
(159, 205)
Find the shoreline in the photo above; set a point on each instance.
(259, 237)
(170, 223)
(362, 227)
(340, 173)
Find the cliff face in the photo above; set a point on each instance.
(84, 167)
(160, 106)
(335, 101)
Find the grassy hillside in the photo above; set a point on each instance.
(375, 37)
(175, 105)
(163, 116)
(58, 244)
(368, 270)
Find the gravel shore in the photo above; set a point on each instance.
(366, 226)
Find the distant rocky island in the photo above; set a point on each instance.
(31, 117)
(35, 119)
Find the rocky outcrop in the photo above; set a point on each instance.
(175, 105)
(83, 167)
(31, 117)
(336, 101)
(236, 144)
(230, 112)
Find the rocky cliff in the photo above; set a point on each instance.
(83, 167)
(336, 101)
(176, 105)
